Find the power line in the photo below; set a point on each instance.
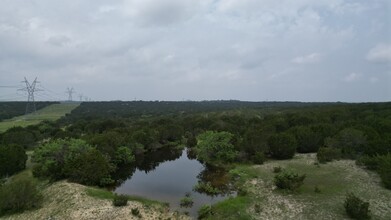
(10, 86)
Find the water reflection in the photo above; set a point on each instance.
(217, 178)
(169, 175)
(149, 161)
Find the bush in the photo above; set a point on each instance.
(282, 146)
(370, 162)
(356, 208)
(216, 147)
(288, 180)
(258, 158)
(186, 201)
(120, 200)
(136, 212)
(204, 211)
(19, 195)
(12, 159)
(90, 168)
(277, 169)
(317, 189)
(50, 158)
(207, 188)
(385, 170)
(327, 154)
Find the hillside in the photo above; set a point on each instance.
(64, 200)
(50, 113)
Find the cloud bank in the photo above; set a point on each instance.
(199, 49)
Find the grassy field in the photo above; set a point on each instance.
(50, 113)
(262, 200)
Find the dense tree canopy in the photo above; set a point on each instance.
(282, 146)
(247, 131)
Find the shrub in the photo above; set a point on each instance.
(207, 188)
(186, 201)
(317, 189)
(288, 180)
(19, 195)
(277, 169)
(120, 200)
(204, 212)
(50, 158)
(327, 154)
(136, 212)
(257, 208)
(356, 208)
(282, 146)
(370, 162)
(90, 168)
(12, 159)
(258, 158)
(216, 147)
(385, 170)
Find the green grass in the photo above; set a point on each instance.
(104, 194)
(50, 113)
(232, 208)
(261, 199)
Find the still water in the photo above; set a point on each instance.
(169, 180)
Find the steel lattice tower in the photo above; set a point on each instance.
(30, 89)
(70, 91)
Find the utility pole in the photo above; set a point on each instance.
(30, 89)
(70, 91)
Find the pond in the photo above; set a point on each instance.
(168, 176)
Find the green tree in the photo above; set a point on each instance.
(123, 155)
(12, 159)
(50, 158)
(90, 168)
(282, 146)
(19, 136)
(351, 141)
(216, 147)
(327, 154)
(307, 140)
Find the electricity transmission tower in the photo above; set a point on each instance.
(70, 91)
(81, 97)
(30, 89)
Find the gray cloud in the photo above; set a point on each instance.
(380, 54)
(200, 49)
(310, 58)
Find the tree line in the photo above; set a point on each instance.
(112, 137)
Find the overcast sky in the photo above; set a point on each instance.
(258, 50)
